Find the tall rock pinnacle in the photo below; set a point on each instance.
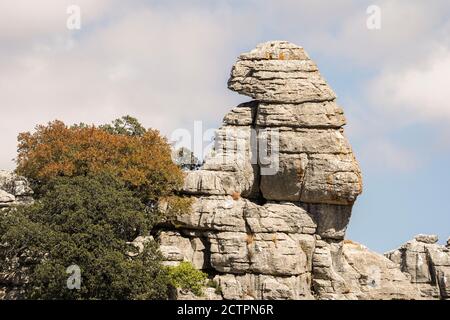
(274, 198)
(316, 163)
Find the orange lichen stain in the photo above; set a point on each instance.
(281, 56)
(275, 240)
(236, 196)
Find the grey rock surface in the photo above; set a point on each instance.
(427, 264)
(281, 72)
(281, 175)
(14, 190)
(6, 199)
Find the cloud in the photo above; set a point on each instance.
(23, 20)
(383, 155)
(167, 63)
(418, 92)
(166, 66)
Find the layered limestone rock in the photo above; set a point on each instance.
(315, 163)
(281, 176)
(347, 270)
(273, 200)
(427, 264)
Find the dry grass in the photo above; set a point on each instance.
(250, 238)
(348, 241)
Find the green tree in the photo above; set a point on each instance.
(86, 221)
(126, 125)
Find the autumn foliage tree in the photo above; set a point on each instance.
(140, 158)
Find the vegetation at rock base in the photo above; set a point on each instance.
(213, 284)
(185, 276)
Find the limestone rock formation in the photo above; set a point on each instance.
(278, 187)
(14, 190)
(427, 264)
(273, 200)
(347, 270)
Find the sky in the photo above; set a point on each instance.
(167, 63)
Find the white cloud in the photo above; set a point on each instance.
(383, 155)
(166, 67)
(408, 30)
(167, 62)
(24, 20)
(418, 92)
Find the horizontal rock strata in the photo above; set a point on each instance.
(281, 175)
(427, 264)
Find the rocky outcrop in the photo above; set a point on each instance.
(348, 270)
(14, 190)
(427, 264)
(273, 200)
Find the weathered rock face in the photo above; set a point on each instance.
(273, 201)
(279, 72)
(347, 270)
(314, 162)
(427, 264)
(282, 176)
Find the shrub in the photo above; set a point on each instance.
(185, 276)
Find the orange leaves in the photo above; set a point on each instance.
(143, 162)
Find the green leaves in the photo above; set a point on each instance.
(126, 125)
(83, 221)
(185, 276)
(97, 189)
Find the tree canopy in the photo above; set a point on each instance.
(87, 221)
(141, 158)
